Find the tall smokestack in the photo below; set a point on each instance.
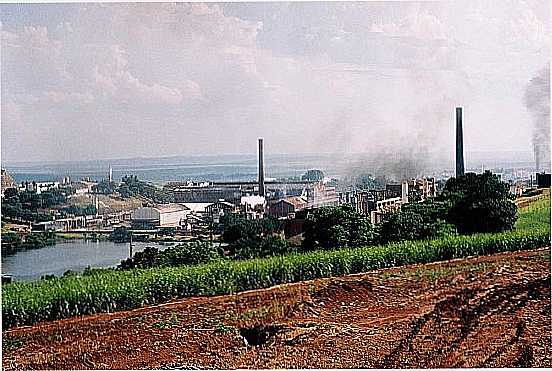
(261, 169)
(459, 143)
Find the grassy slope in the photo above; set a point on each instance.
(535, 216)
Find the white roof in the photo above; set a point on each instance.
(169, 208)
(197, 207)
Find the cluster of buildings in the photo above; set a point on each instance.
(197, 206)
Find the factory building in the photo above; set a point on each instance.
(217, 209)
(287, 207)
(321, 195)
(204, 192)
(386, 206)
(165, 215)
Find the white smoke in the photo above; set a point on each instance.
(537, 100)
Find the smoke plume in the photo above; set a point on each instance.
(537, 100)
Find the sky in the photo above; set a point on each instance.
(103, 81)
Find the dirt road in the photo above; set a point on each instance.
(483, 312)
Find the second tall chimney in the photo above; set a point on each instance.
(459, 143)
(261, 169)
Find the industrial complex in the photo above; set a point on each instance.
(195, 207)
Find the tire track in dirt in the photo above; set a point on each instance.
(467, 308)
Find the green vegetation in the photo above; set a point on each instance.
(415, 221)
(479, 203)
(164, 324)
(313, 175)
(120, 235)
(78, 210)
(472, 203)
(26, 205)
(28, 303)
(131, 186)
(197, 252)
(536, 216)
(221, 328)
(11, 241)
(104, 187)
(252, 238)
(332, 227)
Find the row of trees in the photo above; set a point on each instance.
(25, 205)
(11, 241)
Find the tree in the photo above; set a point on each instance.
(120, 234)
(332, 227)
(147, 258)
(479, 203)
(261, 247)
(104, 187)
(239, 232)
(10, 241)
(414, 223)
(313, 175)
(192, 253)
(197, 252)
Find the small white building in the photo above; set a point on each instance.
(162, 215)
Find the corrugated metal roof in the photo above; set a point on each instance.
(170, 208)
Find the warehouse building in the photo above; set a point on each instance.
(164, 215)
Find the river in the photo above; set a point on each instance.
(76, 255)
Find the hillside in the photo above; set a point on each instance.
(491, 311)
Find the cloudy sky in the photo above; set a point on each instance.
(100, 81)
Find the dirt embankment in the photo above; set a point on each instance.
(483, 312)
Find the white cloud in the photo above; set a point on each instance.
(210, 78)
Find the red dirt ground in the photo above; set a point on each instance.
(491, 311)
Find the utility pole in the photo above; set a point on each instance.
(130, 247)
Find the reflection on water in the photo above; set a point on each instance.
(76, 255)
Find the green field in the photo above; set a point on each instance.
(534, 216)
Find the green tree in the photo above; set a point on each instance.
(104, 187)
(10, 241)
(313, 175)
(331, 227)
(261, 247)
(479, 203)
(197, 252)
(120, 234)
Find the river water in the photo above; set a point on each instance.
(76, 255)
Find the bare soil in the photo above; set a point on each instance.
(491, 311)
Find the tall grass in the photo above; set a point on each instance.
(535, 216)
(29, 303)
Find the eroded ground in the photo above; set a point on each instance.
(483, 312)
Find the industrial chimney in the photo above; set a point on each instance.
(459, 143)
(261, 169)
